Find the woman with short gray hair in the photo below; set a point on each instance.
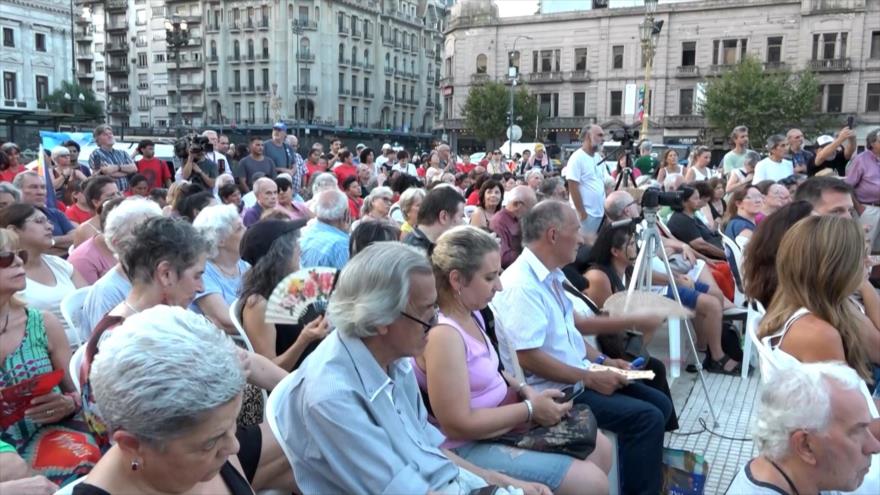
(8, 194)
(64, 174)
(406, 211)
(170, 406)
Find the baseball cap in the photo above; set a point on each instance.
(386, 146)
(824, 139)
(281, 126)
(258, 239)
(360, 146)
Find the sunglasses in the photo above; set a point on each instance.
(8, 257)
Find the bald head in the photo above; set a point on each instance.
(616, 203)
(266, 192)
(521, 199)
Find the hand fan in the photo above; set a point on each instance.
(301, 294)
(645, 304)
(16, 399)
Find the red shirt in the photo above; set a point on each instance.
(313, 170)
(344, 171)
(354, 207)
(465, 168)
(155, 171)
(9, 174)
(77, 214)
(474, 198)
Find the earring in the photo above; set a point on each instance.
(135, 465)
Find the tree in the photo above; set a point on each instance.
(486, 108)
(766, 102)
(74, 99)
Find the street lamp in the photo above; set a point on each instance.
(297, 29)
(177, 37)
(649, 35)
(512, 73)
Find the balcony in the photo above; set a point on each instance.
(84, 55)
(117, 68)
(116, 26)
(544, 77)
(307, 57)
(565, 122)
(212, 28)
(368, 37)
(356, 33)
(343, 31)
(305, 89)
(116, 5)
(368, 67)
(775, 66)
(249, 90)
(430, 52)
(248, 25)
(344, 62)
(233, 59)
(263, 24)
(118, 89)
(117, 47)
(85, 74)
(388, 98)
(687, 71)
(355, 65)
(429, 104)
(356, 94)
(684, 122)
(85, 35)
(186, 87)
(480, 78)
(836, 6)
(143, 108)
(830, 65)
(191, 19)
(234, 90)
(446, 81)
(118, 109)
(344, 92)
(213, 59)
(389, 71)
(213, 90)
(191, 64)
(303, 24)
(387, 42)
(429, 77)
(369, 96)
(579, 76)
(235, 26)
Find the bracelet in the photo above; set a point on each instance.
(528, 404)
(601, 359)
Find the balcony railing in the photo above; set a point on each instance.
(775, 66)
(117, 5)
(191, 64)
(118, 108)
(356, 65)
(117, 68)
(303, 24)
(305, 89)
(305, 56)
(235, 90)
(119, 88)
(234, 26)
(344, 62)
(355, 33)
(117, 46)
(85, 74)
(213, 89)
(544, 77)
(446, 81)
(189, 87)
(116, 26)
(389, 71)
(262, 23)
(579, 76)
(687, 71)
(480, 78)
(85, 54)
(343, 31)
(831, 65)
(716, 69)
(369, 67)
(344, 92)
(389, 98)
(368, 95)
(684, 121)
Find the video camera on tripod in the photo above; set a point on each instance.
(625, 135)
(652, 199)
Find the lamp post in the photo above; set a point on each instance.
(177, 37)
(513, 74)
(297, 30)
(649, 35)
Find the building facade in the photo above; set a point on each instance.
(35, 54)
(365, 66)
(586, 66)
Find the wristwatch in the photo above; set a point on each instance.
(601, 359)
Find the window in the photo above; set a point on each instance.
(142, 60)
(689, 54)
(251, 81)
(40, 42)
(728, 52)
(236, 79)
(252, 112)
(158, 11)
(159, 58)
(341, 81)
(686, 102)
(140, 17)
(144, 101)
(354, 115)
(366, 85)
(546, 61)
(340, 115)
(481, 64)
(513, 59)
(616, 103)
(8, 37)
(354, 83)
(580, 59)
(827, 46)
(42, 87)
(265, 111)
(774, 49)
(875, 44)
(265, 79)
(237, 112)
(834, 104)
(265, 48)
(214, 79)
(99, 66)
(143, 81)
(548, 104)
(617, 59)
(579, 104)
(366, 121)
(160, 102)
(872, 98)
(250, 49)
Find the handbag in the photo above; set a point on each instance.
(574, 436)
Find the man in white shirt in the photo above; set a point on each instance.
(774, 167)
(224, 166)
(586, 182)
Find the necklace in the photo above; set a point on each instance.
(129, 306)
(233, 273)
(787, 479)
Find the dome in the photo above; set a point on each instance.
(475, 11)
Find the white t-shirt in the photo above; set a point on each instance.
(767, 169)
(583, 169)
(48, 297)
(409, 169)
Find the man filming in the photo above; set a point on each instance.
(198, 169)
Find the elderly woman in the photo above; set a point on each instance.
(97, 190)
(469, 396)
(533, 178)
(170, 407)
(491, 197)
(408, 210)
(49, 278)
(8, 195)
(64, 174)
(377, 205)
(222, 228)
(93, 258)
(272, 248)
(49, 436)
(741, 177)
(295, 210)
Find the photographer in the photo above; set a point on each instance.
(196, 168)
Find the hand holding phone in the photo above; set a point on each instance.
(571, 392)
(850, 121)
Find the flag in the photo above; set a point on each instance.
(49, 140)
(640, 107)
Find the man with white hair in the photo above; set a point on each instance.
(354, 419)
(224, 166)
(266, 193)
(586, 181)
(812, 435)
(326, 242)
(534, 178)
(505, 223)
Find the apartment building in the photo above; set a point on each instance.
(586, 66)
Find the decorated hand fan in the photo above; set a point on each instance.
(645, 304)
(302, 296)
(16, 399)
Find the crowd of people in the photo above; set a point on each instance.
(468, 297)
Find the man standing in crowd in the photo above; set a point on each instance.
(646, 163)
(735, 158)
(278, 150)
(197, 168)
(803, 160)
(33, 192)
(224, 166)
(586, 183)
(357, 153)
(811, 433)
(535, 318)
(445, 154)
(384, 157)
(354, 416)
(326, 242)
(403, 164)
(505, 223)
(155, 170)
(266, 193)
(442, 209)
(74, 149)
(333, 154)
(864, 177)
(255, 162)
(298, 167)
(835, 153)
(105, 160)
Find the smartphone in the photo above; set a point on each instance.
(850, 121)
(571, 392)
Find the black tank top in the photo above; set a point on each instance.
(231, 477)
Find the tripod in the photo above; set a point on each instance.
(641, 281)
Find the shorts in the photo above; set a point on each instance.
(250, 441)
(688, 296)
(527, 465)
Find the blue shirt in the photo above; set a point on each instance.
(217, 282)
(736, 225)
(251, 215)
(101, 157)
(324, 245)
(60, 223)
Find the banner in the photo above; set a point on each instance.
(640, 113)
(49, 140)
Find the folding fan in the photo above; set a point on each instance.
(301, 296)
(645, 304)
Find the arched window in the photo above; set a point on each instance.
(482, 62)
(213, 49)
(354, 55)
(317, 14)
(265, 48)
(341, 51)
(304, 46)
(412, 66)
(236, 49)
(250, 51)
(395, 63)
(387, 59)
(290, 11)
(366, 55)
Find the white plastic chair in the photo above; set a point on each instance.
(766, 360)
(234, 312)
(71, 310)
(754, 315)
(739, 297)
(68, 488)
(273, 405)
(75, 364)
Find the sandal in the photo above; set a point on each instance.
(692, 368)
(713, 366)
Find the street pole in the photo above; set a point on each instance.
(647, 101)
(297, 31)
(513, 73)
(649, 35)
(177, 37)
(72, 44)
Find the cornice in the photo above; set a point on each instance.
(60, 7)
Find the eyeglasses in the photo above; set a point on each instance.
(8, 257)
(427, 324)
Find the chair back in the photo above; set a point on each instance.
(71, 310)
(274, 403)
(766, 360)
(75, 364)
(68, 488)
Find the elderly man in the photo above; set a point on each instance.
(586, 182)
(801, 159)
(864, 177)
(33, 192)
(105, 160)
(224, 166)
(278, 150)
(505, 224)
(266, 193)
(326, 242)
(777, 197)
(442, 209)
(811, 433)
(298, 169)
(356, 420)
(534, 177)
(534, 318)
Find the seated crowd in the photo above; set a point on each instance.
(469, 299)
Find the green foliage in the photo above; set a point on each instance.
(767, 102)
(66, 99)
(485, 111)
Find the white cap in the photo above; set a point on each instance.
(386, 146)
(824, 139)
(360, 146)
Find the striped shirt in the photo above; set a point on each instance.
(101, 157)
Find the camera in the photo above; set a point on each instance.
(195, 145)
(654, 198)
(625, 135)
